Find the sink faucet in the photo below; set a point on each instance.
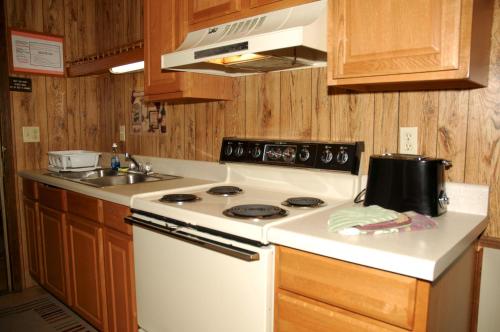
(137, 167)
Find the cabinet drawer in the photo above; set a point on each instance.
(296, 313)
(113, 217)
(370, 292)
(85, 206)
(52, 197)
(30, 189)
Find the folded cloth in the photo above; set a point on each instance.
(360, 216)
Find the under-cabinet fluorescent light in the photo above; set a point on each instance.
(128, 68)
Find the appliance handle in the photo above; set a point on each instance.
(223, 248)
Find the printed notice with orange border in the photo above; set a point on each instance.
(37, 53)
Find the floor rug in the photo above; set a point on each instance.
(43, 314)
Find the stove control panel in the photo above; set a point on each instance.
(335, 156)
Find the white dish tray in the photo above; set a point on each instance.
(82, 169)
(73, 160)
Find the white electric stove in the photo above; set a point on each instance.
(202, 258)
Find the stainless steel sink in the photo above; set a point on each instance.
(107, 177)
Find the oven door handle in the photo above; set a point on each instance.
(223, 248)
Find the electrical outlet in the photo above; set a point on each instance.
(122, 133)
(31, 134)
(408, 140)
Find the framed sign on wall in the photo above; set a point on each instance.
(36, 53)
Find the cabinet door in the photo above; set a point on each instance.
(54, 249)
(387, 37)
(120, 284)
(33, 238)
(87, 269)
(161, 35)
(202, 10)
(165, 27)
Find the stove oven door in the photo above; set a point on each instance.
(182, 286)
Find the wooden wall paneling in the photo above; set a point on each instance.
(150, 144)
(190, 132)
(29, 110)
(105, 104)
(134, 24)
(118, 110)
(218, 121)
(452, 129)
(57, 115)
(25, 14)
(118, 27)
(295, 114)
(234, 110)
(103, 16)
(386, 123)
(204, 131)
(352, 120)
(263, 105)
(89, 113)
(420, 109)
(53, 17)
(320, 113)
(87, 27)
(175, 131)
(482, 163)
(73, 113)
(71, 30)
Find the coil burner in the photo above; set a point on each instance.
(225, 191)
(303, 202)
(179, 198)
(255, 211)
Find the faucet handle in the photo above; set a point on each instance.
(147, 167)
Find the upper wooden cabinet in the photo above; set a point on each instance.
(202, 10)
(165, 26)
(397, 44)
(207, 13)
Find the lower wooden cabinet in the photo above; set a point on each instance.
(319, 294)
(55, 274)
(33, 238)
(120, 284)
(87, 270)
(81, 251)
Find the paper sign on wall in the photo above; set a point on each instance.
(36, 53)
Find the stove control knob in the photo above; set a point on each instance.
(304, 154)
(274, 154)
(326, 156)
(342, 157)
(289, 154)
(238, 152)
(256, 151)
(228, 150)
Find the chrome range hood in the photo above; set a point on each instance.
(284, 39)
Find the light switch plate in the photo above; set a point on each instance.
(31, 134)
(122, 133)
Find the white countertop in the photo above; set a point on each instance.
(423, 254)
